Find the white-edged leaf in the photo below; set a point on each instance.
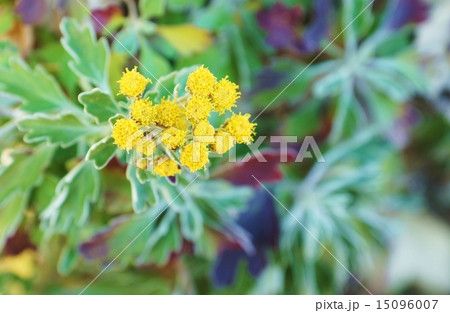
(74, 194)
(102, 152)
(90, 58)
(38, 89)
(98, 104)
(64, 130)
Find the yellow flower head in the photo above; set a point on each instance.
(132, 83)
(240, 127)
(223, 142)
(126, 133)
(143, 112)
(164, 166)
(173, 137)
(204, 132)
(145, 146)
(225, 95)
(142, 163)
(198, 108)
(201, 82)
(168, 113)
(194, 156)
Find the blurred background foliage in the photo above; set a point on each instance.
(376, 101)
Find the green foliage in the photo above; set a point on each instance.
(90, 58)
(151, 8)
(59, 129)
(38, 90)
(82, 203)
(99, 105)
(17, 180)
(71, 205)
(101, 152)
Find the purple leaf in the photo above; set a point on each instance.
(318, 29)
(31, 11)
(280, 22)
(403, 12)
(261, 222)
(102, 16)
(240, 173)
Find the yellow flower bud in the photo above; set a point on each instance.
(126, 133)
(132, 83)
(173, 137)
(168, 113)
(164, 166)
(240, 127)
(145, 146)
(143, 112)
(201, 82)
(198, 108)
(223, 142)
(225, 95)
(204, 132)
(194, 156)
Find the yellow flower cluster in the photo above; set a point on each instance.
(176, 132)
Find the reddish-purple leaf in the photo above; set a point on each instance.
(240, 173)
(102, 16)
(280, 22)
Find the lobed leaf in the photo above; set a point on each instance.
(73, 196)
(38, 90)
(64, 130)
(90, 58)
(102, 152)
(99, 104)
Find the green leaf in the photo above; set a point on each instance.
(11, 212)
(166, 85)
(16, 180)
(102, 152)
(68, 259)
(191, 222)
(64, 130)
(127, 40)
(7, 50)
(144, 230)
(98, 104)
(38, 90)
(183, 4)
(142, 194)
(153, 61)
(24, 172)
(90, 58)
(151, 8)
(70, 207)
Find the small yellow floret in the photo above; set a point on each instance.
(204, 132)
(143, 112)
(198, 108)
(142, 163)
(225, 95)
(173, 137)
(126, 133)
(240, 127)
(223, 142)
(132, 83)
(201, 82)
(164, 166)
(145, 146)
(168, 113)
(194, 156)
